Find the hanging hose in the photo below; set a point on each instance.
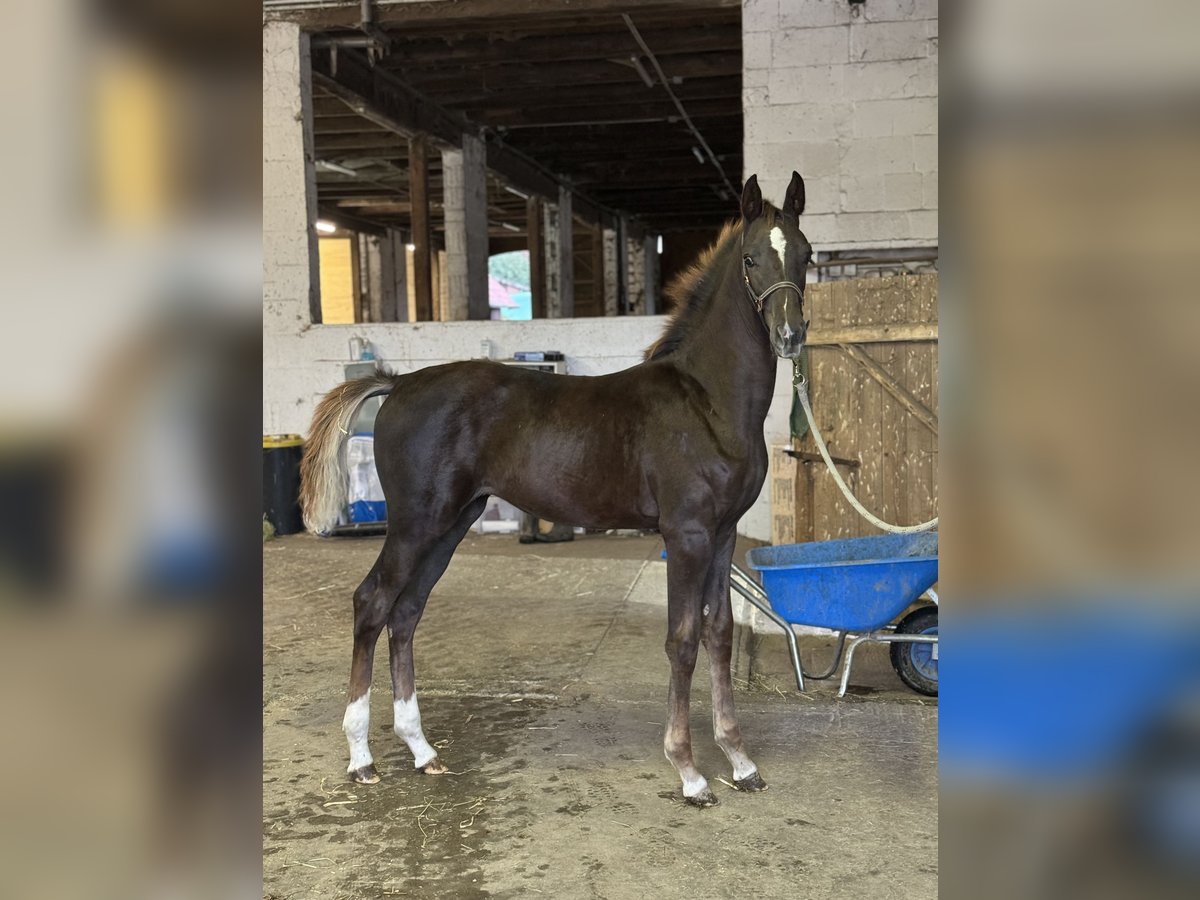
(801, 387)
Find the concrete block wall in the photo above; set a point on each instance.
(610, 272)
(635, 275)
(289, 243)
(847, 96)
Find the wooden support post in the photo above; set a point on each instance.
(418, 180)
(922, 412)
(395, 274)
(537, 256)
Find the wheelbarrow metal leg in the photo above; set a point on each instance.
(880, 637)
(850, 660)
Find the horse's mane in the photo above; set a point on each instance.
(690, 291)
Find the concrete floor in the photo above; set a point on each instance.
(542, 681)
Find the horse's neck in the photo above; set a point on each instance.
(728, 352)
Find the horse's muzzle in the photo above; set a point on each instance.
(788, 343)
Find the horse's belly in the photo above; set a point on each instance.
(589, 490)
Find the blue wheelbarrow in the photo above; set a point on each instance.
(857, 587)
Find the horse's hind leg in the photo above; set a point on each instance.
(718, 641)
(406, 613)
(373, 603)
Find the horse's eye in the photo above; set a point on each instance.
(748, 262)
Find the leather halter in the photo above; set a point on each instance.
(759, 300)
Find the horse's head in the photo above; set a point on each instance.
(774, 257)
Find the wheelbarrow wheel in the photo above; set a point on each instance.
(917, 664)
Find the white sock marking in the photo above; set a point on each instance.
(779, 242)
(693, 787)
(742, 766)
(356, 723)
(408, 729)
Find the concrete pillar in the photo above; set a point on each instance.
(635, 275)
(291, 273)
(395, 277)
(369, 290)
(566, 256)
(464, 181)
(441, 287)
(650, 273)
(610, 272)
(551, 235)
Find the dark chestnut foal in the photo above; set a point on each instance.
(675, 443)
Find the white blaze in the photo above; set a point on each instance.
(779, 242)
(355, 724)
(408, 729)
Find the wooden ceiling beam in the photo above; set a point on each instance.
(490, 12)
(384, 100)
(470, 98)
(376, 140)
(346, 124)
(436, 82)
(567, 19)
(491, 50)
(617, 152)
(642, 112)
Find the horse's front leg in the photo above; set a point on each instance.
(718, 641)
(689, 557)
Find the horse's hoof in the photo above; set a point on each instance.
(751, 784)
(703, 799)
(366, 775)
(434, 767)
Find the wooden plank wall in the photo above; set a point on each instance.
(898, 454)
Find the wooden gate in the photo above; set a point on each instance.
(874, 389)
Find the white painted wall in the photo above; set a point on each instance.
(848, 97)
(306, 361)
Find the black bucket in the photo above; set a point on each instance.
(281, 482)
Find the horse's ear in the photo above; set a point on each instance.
(793, 201)
(752, 202)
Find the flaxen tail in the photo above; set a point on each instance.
(323, 475)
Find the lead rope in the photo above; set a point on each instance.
(801, 387)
